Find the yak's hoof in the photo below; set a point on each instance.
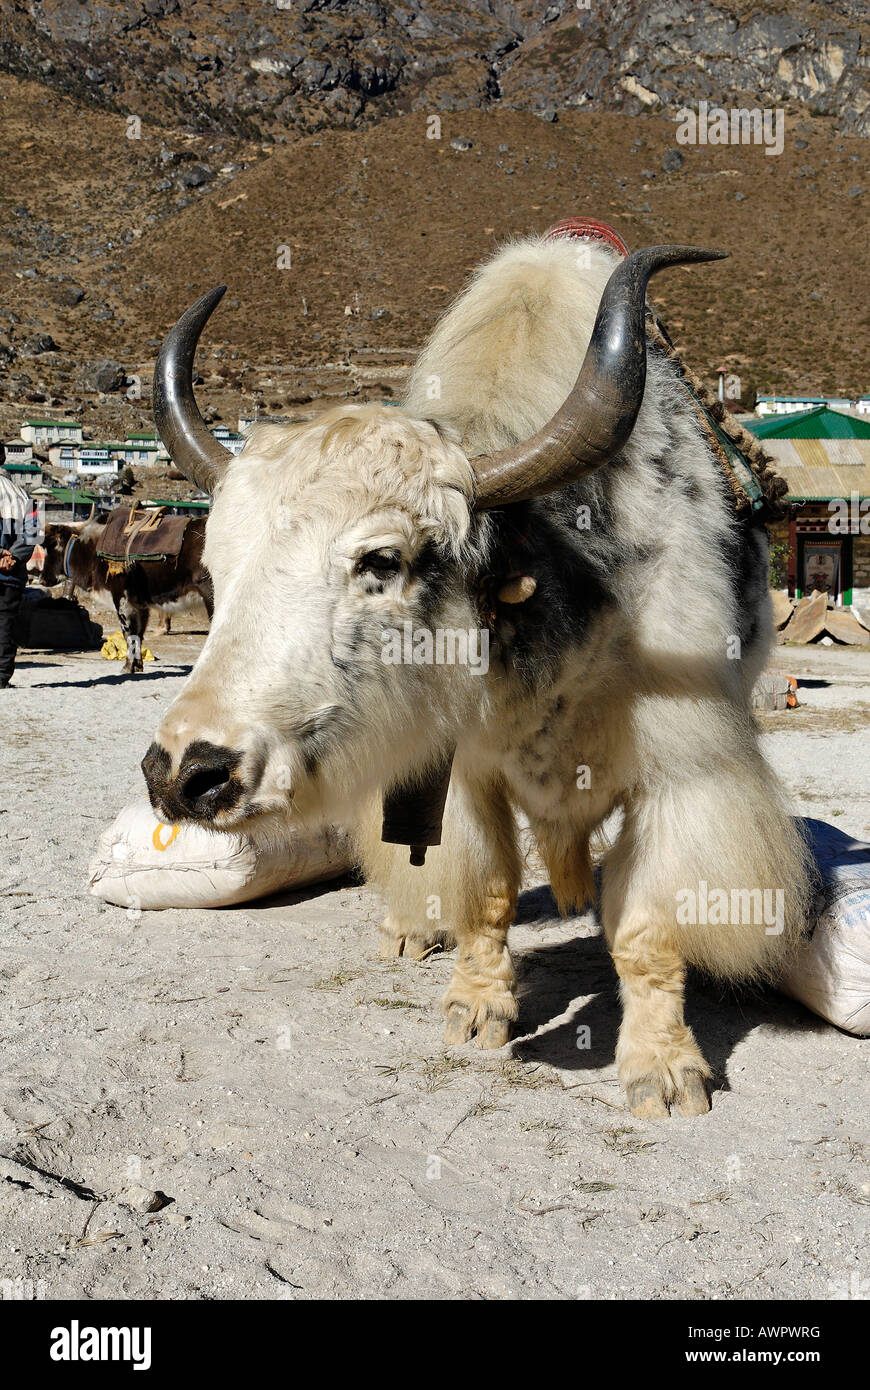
(395, 943)
(459, 1025)
(693, 1098)
(494, 1032)
(416, 948)
(391, 946)
(648, 1097)
(462, 1024)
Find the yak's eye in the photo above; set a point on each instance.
(381, 563)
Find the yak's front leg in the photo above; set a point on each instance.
(464, 895)
(658, 1059)
(134, 620)
(481, 997)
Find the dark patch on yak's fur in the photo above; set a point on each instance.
(749, 570)
(540, 538)
(432, 571)
(664, 469)
(258, 767)
(345, 648)
(318, 735)
(201, 750)
(200, 756)
(646, 554)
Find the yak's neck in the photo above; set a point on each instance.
(80, 560)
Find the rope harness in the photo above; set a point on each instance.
(757, 490)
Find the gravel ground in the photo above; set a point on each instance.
(287, 1092)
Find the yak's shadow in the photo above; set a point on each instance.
(553, 975)
(113, 678)
(290, 897)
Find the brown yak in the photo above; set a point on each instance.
(72, 554)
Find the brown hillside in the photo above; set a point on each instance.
(387, 224)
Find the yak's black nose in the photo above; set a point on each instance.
(204, 784)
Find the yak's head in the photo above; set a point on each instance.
(49, 563)
(334, 548)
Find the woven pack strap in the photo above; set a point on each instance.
(141, 526)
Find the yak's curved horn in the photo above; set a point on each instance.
(192, 446)
(597, 418)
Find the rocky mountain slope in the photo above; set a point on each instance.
(341, 246)
(289, 65)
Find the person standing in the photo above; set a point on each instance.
(19, 532)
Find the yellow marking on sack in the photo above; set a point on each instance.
(155, 838)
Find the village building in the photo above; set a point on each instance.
(145, 448)
(20, 464)
(18, 451)
(67, 504)
(97, 458)
(136, 454)
(229, 438)
(86, 459)
(63, 456)
(824, 455)
(794, 405)
(28, 474)
(45, 432)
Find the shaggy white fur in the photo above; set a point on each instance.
(623, 683)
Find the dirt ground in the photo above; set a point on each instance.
(288, 1093)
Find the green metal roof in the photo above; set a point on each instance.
(58, 424)
(175, 502)
(21, 467)
(820, 423)
(65, 494)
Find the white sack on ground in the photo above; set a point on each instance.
(831, 974)
(143, 863)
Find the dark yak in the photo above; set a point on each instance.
(72, 553)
